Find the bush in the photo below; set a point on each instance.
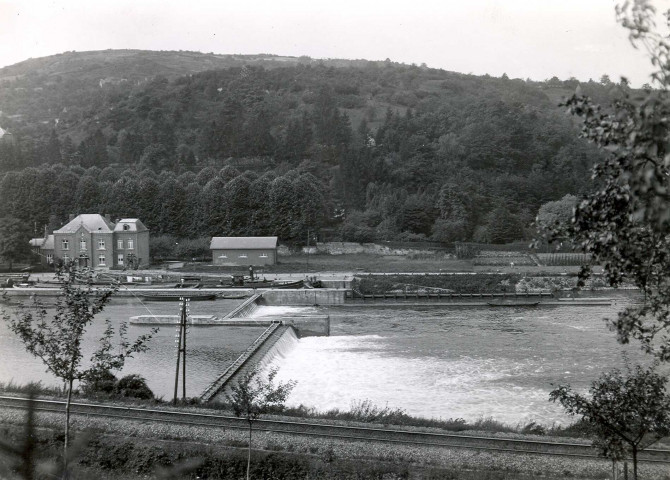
(134, 386)
(99, 382)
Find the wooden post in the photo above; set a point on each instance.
(181, 350)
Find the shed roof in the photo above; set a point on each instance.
(92, 222)
(134, 225)
(243, 243)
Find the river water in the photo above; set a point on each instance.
(435, 362)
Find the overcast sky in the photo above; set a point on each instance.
(534, 39)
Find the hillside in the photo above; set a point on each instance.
(389, 151)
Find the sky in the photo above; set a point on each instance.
(535, 39)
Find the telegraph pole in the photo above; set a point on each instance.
(180, 340)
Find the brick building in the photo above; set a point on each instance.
(236, 251)
(93, 240)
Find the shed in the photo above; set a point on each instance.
(242, 251)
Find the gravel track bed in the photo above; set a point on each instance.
(541, 465)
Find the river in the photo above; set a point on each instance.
(436, 362)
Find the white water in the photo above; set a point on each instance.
(335, 372)
(466, 363)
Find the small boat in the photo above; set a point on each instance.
(175, 296)
(233, 296)
(513, 303)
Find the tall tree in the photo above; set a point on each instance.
(625, 223)
(14, 240)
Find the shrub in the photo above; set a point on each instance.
(134, 386)
(99, 382)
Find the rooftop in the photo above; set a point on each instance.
(243, 243)
(130, 225)
(92, 222)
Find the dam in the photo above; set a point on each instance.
(479, 360)
(282, 330)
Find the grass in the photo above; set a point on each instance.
(37, 388)
(365, 411)
(362, 411)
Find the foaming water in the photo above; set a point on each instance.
(333, 372)
(455, 363)
(280, 350)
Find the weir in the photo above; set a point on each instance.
(278, 339)
(246, 308)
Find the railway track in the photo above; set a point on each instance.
(340, 432)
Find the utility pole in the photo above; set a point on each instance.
(180, 340)
(308, 246)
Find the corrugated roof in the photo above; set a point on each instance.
(92, 222)
(242, 243)
(134, 225)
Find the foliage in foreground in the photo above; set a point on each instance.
(627, 412)
(256, 394)
(57, 341)
(625, 223)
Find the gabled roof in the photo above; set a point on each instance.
(133, 224)
(92, 222)
(243, 243)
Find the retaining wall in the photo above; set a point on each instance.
(316, 296)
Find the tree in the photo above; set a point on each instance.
(625, 223)
(254, 396)
(14, 240)
(58, 341)
(558, 212)
(628, 412)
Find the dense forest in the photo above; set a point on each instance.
(200, 144)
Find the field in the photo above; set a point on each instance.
(364, 262)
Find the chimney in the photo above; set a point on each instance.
(108, 217)
(72, 216)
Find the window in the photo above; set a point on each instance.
(66, 258)
(264, 255)
(223, 255)
(50, 258)
(120, 259)
(101, 244)
(119, 243)
(82, 244)
(66, 245)
(130, 244)
(126, 226)
(101, 260)
(243, 255)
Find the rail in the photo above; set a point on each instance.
(343, 432)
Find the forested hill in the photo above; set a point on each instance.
(202, 144)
